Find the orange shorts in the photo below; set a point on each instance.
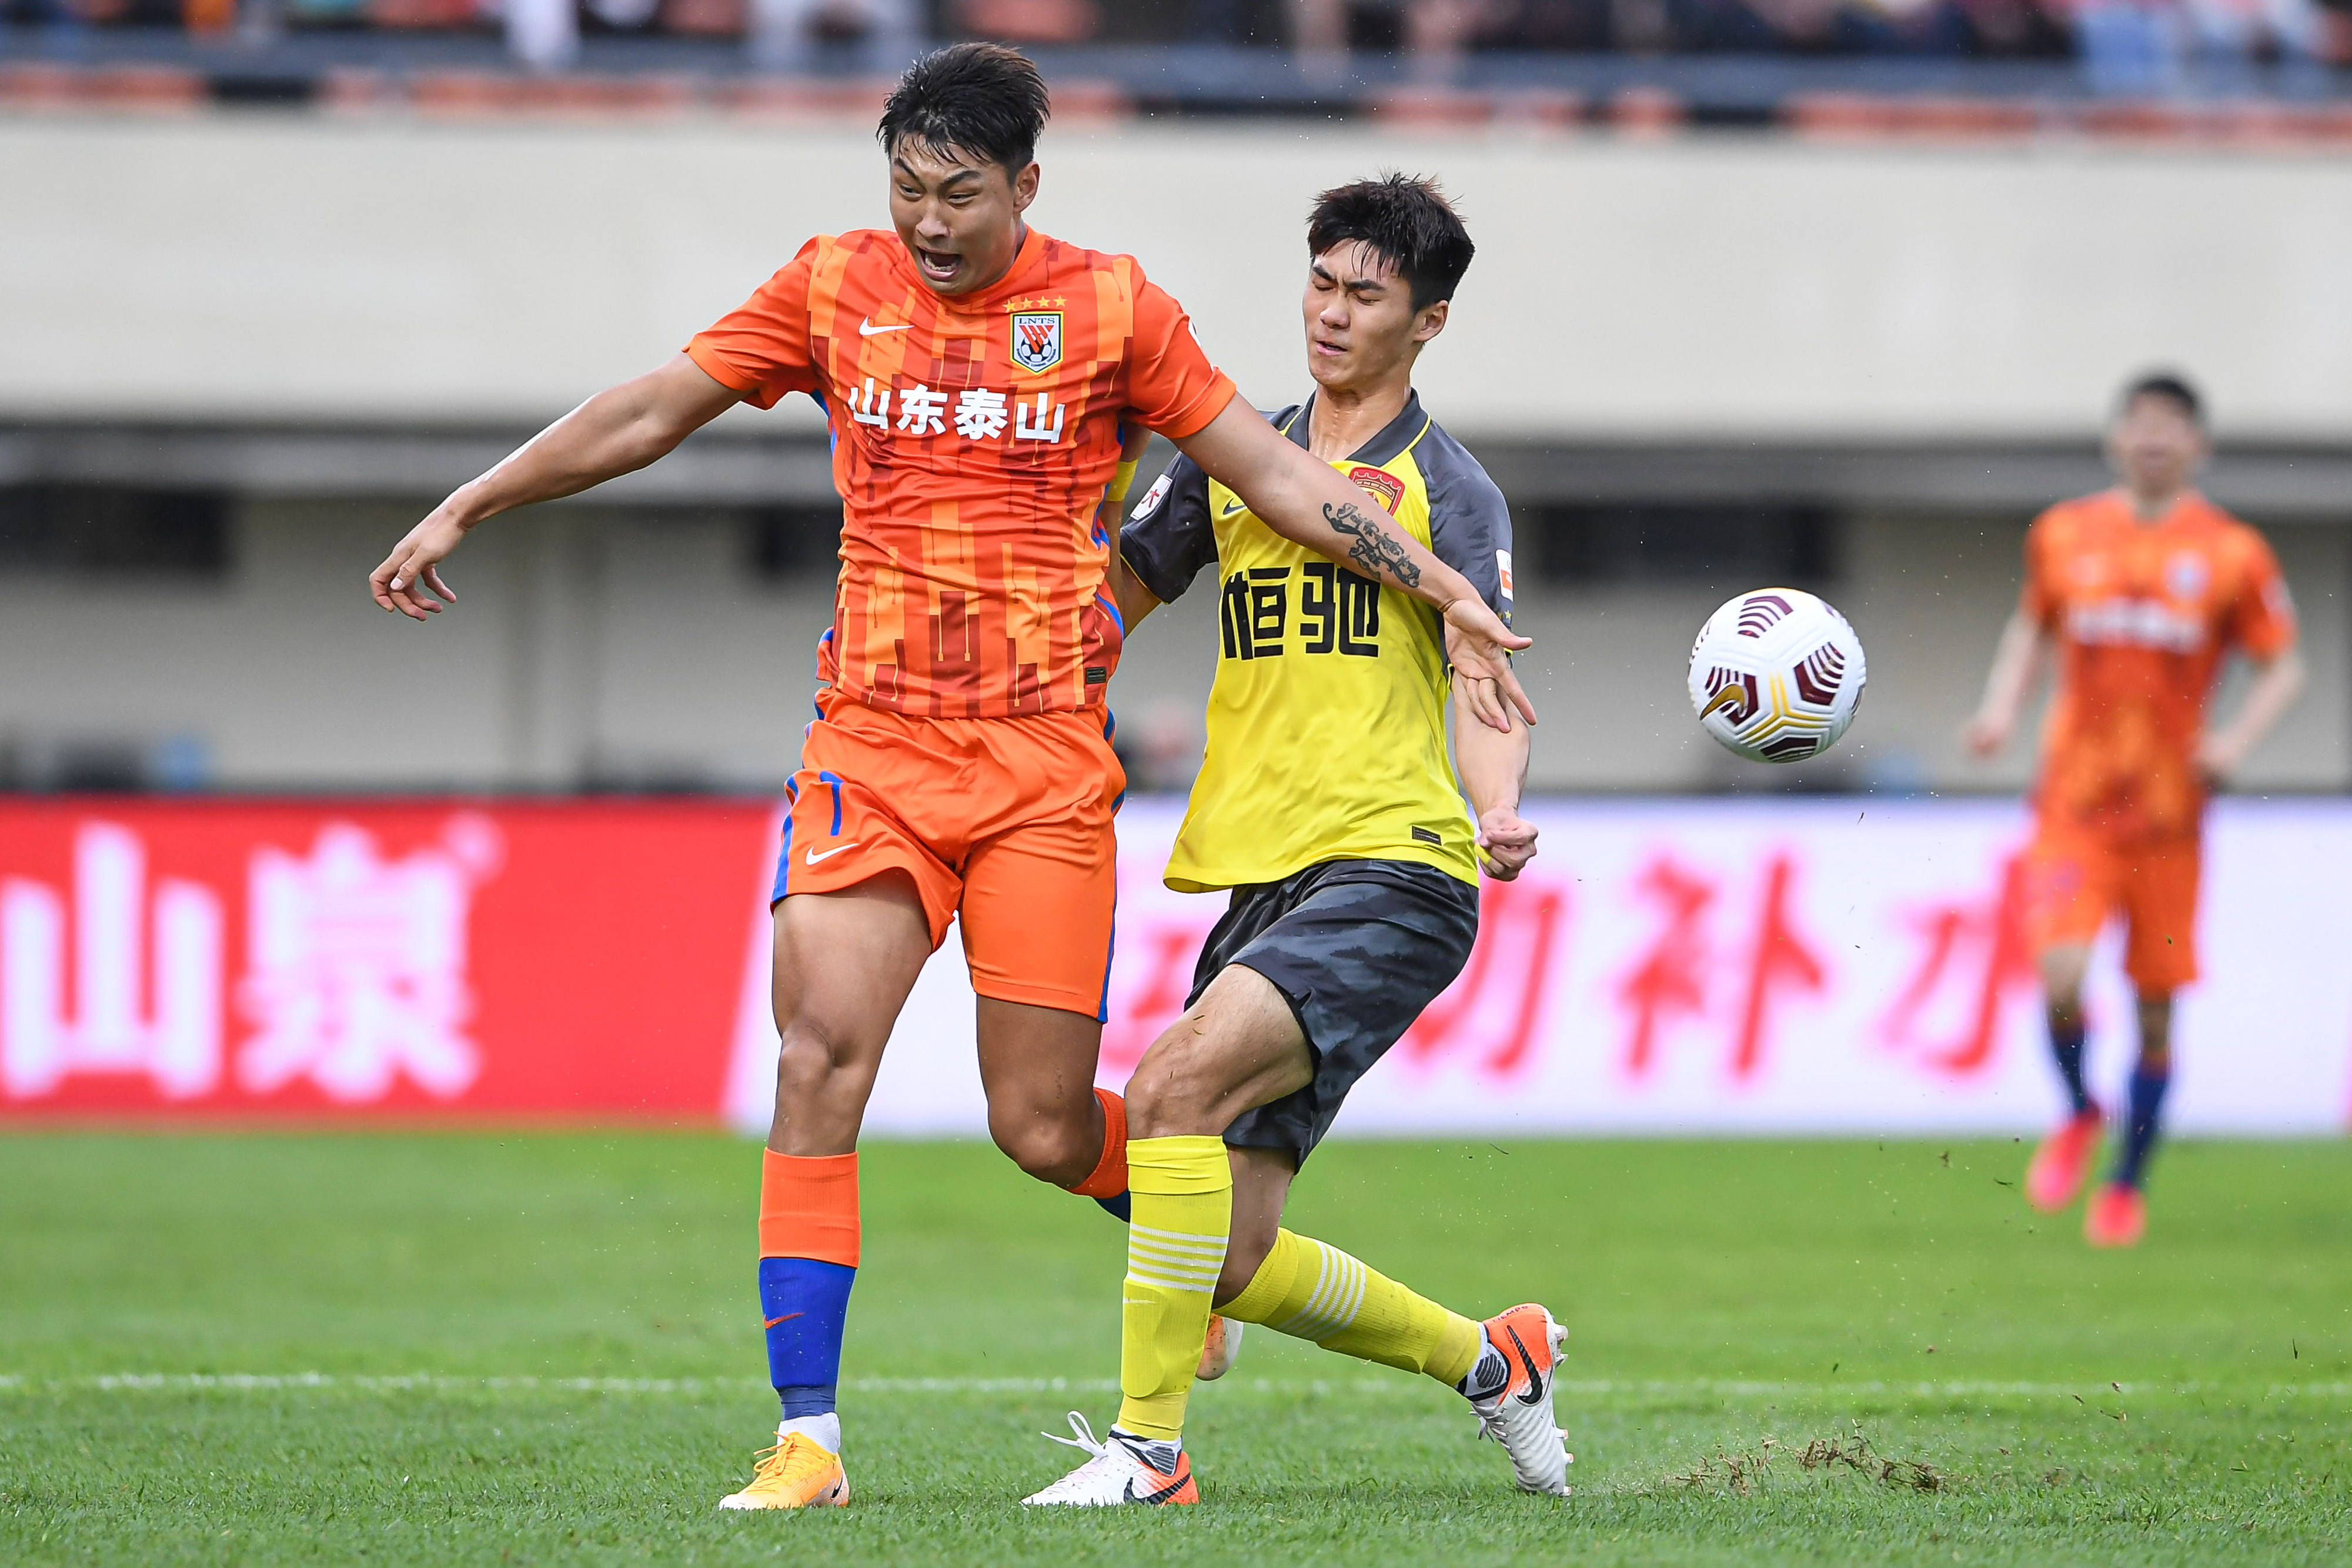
(2078, 876)
(1007, 820)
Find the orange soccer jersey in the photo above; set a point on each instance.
(2144, 613)
(974, 437)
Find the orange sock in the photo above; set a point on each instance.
(1109, 1179)
(808, 1261)
(808, 1206)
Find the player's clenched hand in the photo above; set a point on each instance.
(2216, 759)
(399, 584)
(1479, 646)
(1985, 734)
(1509, 841)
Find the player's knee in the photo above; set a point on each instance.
(1171, 1095)
(808, 1056)
(1052, 1149)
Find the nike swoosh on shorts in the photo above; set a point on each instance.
(813, 857)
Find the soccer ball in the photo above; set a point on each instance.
(1776, 675)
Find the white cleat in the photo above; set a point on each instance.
(1113, 1474)
(1520, 1417)
(1221, 1349)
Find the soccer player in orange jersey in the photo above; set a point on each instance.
(2141, 589)
(979, 379)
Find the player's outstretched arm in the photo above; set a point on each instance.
(616, 432)
(2015, 663)
(2277, 682)
(1126, 591)
(1493, 768)
(1312, 504)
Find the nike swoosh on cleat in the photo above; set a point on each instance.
(1534, 1392)
(813, 857)
(1171, 1489)
(867, 328)
(771, 1323)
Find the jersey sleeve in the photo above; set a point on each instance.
(760, 348)
(1168, 538)
(2037, 600)
(1470, 524)
(2261, 619)
(1170, 384)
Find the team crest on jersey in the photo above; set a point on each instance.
(1379, 483)
(1038, 340)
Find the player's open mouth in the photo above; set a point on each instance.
(1325, 346)
(938, 266)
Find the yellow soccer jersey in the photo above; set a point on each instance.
(1327, 724)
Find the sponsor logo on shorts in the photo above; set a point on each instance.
(813, 857)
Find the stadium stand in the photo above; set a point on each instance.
(2229, 69)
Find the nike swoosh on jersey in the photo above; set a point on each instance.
(1233, 506)
(813, 857)
(867, 328)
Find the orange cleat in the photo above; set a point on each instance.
(2117, 1217)
(798, 1472)
(2063, 1162)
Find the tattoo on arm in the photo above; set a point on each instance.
(1374, 551)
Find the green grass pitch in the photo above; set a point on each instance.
(538, 1348)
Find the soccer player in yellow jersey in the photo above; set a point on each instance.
(1328, 805)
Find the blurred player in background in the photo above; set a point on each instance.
(2142, 589)
(1326, 805)
(978, 377)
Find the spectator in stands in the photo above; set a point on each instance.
(1907, 27)
(1435, 34)
(543, 35)
(2016, 28)
(2229, 34)
(873, 36)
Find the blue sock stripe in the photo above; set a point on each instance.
(804, 1304)
(2066, 1049)
(809, 1399)
(2140, 1124)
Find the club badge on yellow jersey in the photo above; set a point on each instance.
(1326, 723)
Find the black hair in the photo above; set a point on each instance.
(1407, 220)
(982, 100)
(2172, 387)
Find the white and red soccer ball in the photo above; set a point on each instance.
(1776, 675)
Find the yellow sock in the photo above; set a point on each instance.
(1182, 1192)
(1311, 1289)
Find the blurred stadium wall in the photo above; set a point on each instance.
(239, 354)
